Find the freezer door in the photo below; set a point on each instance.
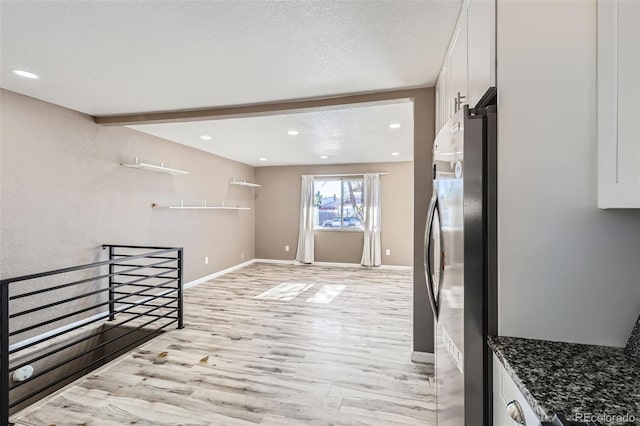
(449, 345)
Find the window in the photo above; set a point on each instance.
(338, 203)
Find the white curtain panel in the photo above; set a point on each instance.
(304, 253)
(371, 252)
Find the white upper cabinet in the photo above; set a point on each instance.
(481, 43)
(469, 66)
(458, 66)
(618, 104)
(442, 98)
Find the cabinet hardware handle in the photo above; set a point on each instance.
(457, 102)
(515, 412)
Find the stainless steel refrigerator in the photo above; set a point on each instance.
(460, 262)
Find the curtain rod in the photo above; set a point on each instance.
(347, 174)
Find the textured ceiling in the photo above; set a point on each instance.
(114, 57)
(351, 135)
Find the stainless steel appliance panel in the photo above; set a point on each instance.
(460, 263)
(446, 271)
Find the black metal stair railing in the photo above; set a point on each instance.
(138, 289)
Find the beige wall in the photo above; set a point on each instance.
(278, 210)
(424, 110)
(63, 194)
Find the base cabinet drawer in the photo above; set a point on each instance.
(508, 401)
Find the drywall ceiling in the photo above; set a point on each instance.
(115, 57)
(356, 134)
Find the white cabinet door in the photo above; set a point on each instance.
(505, 391)
(438, 104)
(618, 104)
(481, 48)
(458, 66)
(469, 67)
(442, 99)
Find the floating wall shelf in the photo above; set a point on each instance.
(153, 168)
(244, 183)
(203, 207)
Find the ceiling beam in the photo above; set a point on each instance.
(262, 109)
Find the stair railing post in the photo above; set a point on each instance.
(180, 292)
(112, 295)
(4, 353)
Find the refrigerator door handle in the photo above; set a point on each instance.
(427, 251)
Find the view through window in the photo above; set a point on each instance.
(338, 203)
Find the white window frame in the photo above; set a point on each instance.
(342, 228)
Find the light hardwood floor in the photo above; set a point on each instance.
(245, 361)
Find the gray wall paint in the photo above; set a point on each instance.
(63, 194)
(424, 134)
(278, 213)
(567, 271)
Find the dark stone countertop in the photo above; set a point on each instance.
(572, 379)
(633, 345)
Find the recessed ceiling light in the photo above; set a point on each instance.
(292, 132)
(395, 154)
(324, 157)
(262, 159)
(205, 137)
(25, 74)
(394, 126)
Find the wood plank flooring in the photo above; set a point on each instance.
(244, 361)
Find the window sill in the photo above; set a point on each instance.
(328, 229)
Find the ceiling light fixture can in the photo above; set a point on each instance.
(324, 157)
(25, 74)
(205, 137)
(395, 154)
(262, 159)
(394, 126)
(292, 132)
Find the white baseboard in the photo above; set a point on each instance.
(217, 274)
(334, 264)
(43, 336)
(338, 264)
(295, 262)
(423, 357)
(397, 267)
(274, 261)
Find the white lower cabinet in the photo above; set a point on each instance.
(506, 397)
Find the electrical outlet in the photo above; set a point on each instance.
(241, 255)
(286, 248)
(206, 260)
(388, 252)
